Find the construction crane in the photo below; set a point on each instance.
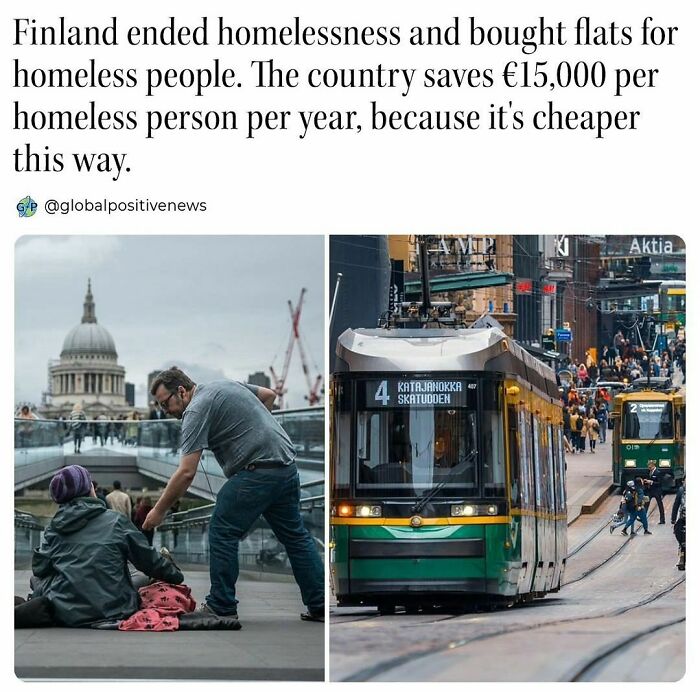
(314, 388)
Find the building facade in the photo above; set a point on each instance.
(88, 372)
(465, 258)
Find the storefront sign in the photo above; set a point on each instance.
(651, 246)
(523, 287)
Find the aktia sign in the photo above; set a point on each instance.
(651, 246)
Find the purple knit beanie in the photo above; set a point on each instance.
(70, 482)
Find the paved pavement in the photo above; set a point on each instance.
(274, 643)
(588, 479)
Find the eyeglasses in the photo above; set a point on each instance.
(164, 404)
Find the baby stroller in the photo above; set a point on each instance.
(619, 518)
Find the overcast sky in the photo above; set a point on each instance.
(215, 305)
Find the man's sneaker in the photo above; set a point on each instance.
(205, 608)
(314, 616)
(624, 532)
(663, 521)
(648, 533)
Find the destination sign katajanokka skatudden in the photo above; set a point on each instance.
(399, 393)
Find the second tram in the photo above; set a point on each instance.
(649, 425)
(447, 470)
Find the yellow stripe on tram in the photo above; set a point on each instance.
(406, 521)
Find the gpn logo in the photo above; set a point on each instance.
(26, 207)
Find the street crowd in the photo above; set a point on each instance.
(587, 400)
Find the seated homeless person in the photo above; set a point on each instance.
(81, 566)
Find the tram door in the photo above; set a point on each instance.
(543, 533)
(679, 462)
(528, 524)
(617, 448)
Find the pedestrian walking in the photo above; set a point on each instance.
(635, 501)
(233, 420)
(99, 492)
(602, 417)
(77, 425)
(576, 424)
(583, 432)
(678, 521)
(620, 517)
(654, 489)
(592, 428)
(102, 426)
(25, 429)
(118, 500)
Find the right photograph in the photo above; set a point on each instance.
(507, 458)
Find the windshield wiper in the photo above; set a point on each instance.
(434, 491)
(656, 437)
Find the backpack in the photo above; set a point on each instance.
(579, 424)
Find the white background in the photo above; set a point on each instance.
(642, 181)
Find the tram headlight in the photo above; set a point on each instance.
(492, 509)
(368, 511)
(344, 510)
(630, 463)
(463, 510)
(665, 463)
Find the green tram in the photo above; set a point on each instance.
(447, 470)
(649, 425)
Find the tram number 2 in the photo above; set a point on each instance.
(382, 393)
(633, 408)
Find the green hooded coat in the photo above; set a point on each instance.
(82, 563)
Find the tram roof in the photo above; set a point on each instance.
(649, 395)
(435, 350)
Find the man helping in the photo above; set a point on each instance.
(233, 420)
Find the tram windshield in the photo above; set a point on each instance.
(412, 434)
(647, 420)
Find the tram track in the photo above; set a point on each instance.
(371, 672)
(586, 672)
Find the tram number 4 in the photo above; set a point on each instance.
(382, 393)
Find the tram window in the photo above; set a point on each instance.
(342, 443)
(525, 429)
(492, 444)
(408, 451)
(647, 420)
(550, 467)
(554, 442)
(514, 450)
(538, 464)
(561, 463)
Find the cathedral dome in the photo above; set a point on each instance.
(88, 338)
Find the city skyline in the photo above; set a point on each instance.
(214, 305)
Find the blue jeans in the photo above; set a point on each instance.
(641, 516)
(275, 494)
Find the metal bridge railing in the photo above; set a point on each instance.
(186, 535)
(28, 534)
(42, 445)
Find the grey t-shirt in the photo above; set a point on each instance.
(228, 418)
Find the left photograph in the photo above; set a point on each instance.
(169, 458)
